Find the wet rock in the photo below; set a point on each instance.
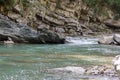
(110, 40)
(106, 40)
(28, 35)
(116, 38)
(68, 70)
(47, 36)
(9, 41)
(101, 71)
(95, 72)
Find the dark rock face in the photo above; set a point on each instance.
(47, 36)
(24, 34)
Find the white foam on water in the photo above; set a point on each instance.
(77, 40)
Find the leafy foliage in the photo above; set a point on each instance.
(26, 3)
(6, 5)
(112, 4)
(7, 2)
(116, 6)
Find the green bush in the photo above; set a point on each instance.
(5, 3)
(115, 6)
(98, 4)
(26, 3)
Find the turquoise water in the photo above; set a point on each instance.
(30, 62)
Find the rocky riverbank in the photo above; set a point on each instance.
(64, 17)
(91, 73)
(99, 72)
(113, 39)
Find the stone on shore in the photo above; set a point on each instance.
(106, 40)
(112, 23)
(105, 72)
(116, 64)
(116, 38)
(110, 40)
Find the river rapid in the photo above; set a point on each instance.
(30, 61)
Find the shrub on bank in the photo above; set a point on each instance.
(98, 5)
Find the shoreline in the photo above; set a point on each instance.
(98, 72)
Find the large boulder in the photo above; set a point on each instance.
(116, 64)
(20, 33)
(107, 40)
(47, 36)
(112, 23)
(110, 40)
(116, 38)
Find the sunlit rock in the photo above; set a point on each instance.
(116, 38)
(101, 70)
(106, 40)
(9, 41)
(116, 63)
(112, 23)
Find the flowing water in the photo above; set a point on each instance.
(30, 62)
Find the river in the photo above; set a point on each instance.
(30, 61)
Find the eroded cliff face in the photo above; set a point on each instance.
(11, 32)
(68, 17)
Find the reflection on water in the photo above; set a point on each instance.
(29, 62)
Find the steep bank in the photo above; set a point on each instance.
(69, 17)
(19, 33)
